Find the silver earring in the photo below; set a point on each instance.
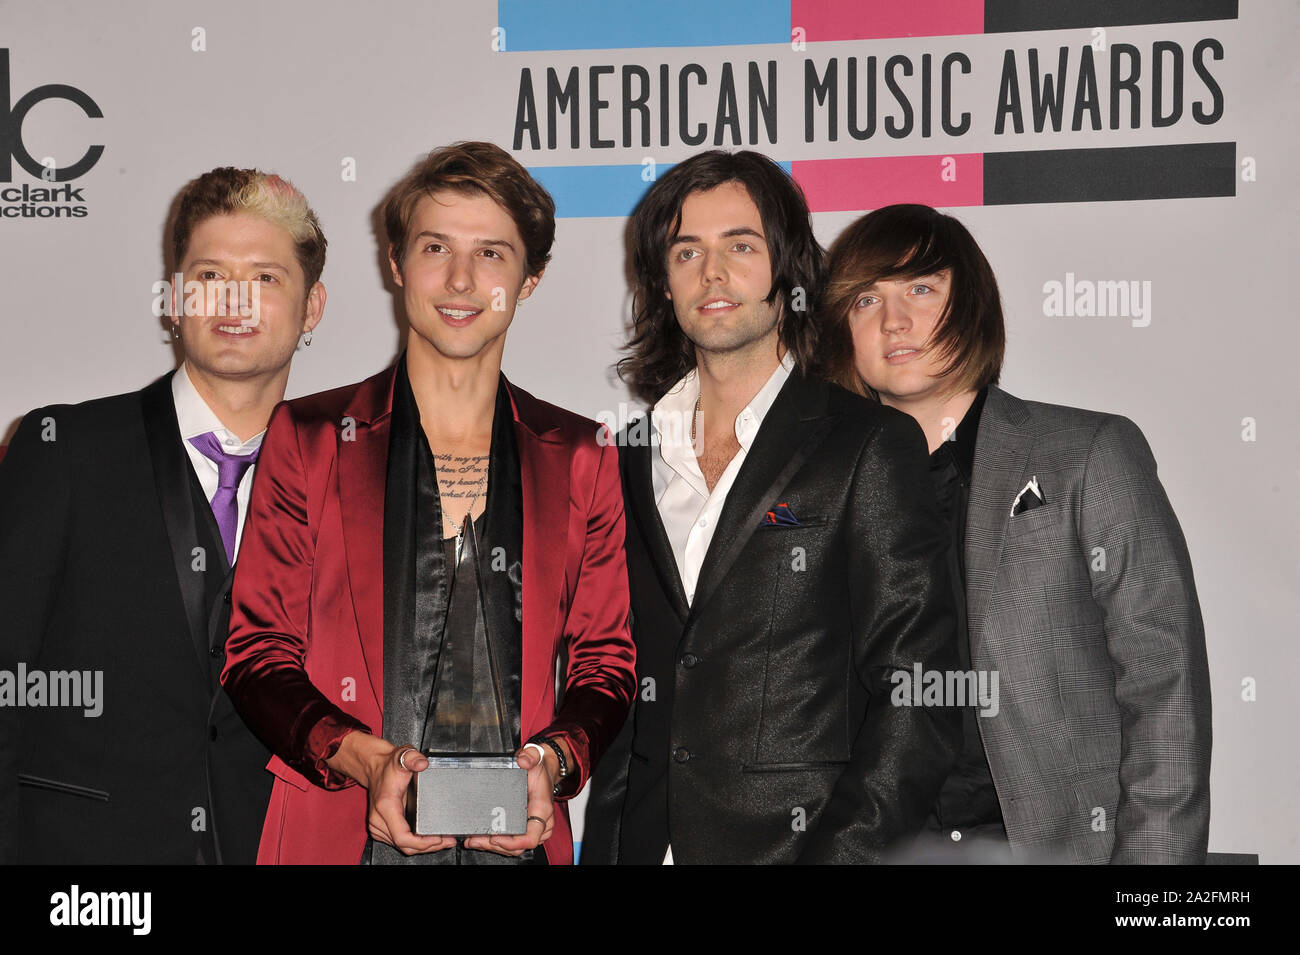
(307, 340)
(176, 331)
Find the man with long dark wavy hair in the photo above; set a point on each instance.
(785, 556)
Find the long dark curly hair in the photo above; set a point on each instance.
(660, 353)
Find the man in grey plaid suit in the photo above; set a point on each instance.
(1090, 738)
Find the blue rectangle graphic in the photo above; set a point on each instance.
(600, 191)
(601, 25)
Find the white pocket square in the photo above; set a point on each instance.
(1035, 498)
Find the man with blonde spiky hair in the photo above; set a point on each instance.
(121, 521)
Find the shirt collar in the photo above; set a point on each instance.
(196, 418)
(674, 413)
(751, 417)
(960, 449)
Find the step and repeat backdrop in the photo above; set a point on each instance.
(1129, 169)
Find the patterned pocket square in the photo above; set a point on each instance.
(780, 516)
(1030, 497)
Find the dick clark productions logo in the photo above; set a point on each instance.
(11, 129)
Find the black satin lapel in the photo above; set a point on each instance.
(638, 488)
(793, 427)
(172, 475)
(413, 573)
(500, 565)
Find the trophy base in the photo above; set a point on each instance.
(470, 796)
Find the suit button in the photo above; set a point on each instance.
(689, 660)
(212, 732)
(226, 596)
(216, 653)
(681, 754)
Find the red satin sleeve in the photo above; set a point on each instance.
(601, 675)
(265, 672)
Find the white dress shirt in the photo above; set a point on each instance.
(686, 506)
(688, 509)
(196, 418)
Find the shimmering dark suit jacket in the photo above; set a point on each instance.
(763, 729)
(305, 657)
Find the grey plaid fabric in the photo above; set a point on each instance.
(1087, 609)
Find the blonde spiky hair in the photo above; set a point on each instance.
(231, 191)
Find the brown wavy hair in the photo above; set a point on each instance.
(660, 353)
(476, 167)
(908, 241)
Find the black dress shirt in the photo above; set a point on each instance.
(968, 800)
(419, 577)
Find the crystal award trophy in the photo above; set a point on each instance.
(473, 785)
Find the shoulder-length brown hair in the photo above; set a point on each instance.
(908, 241)
(661, 354)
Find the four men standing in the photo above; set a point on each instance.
(790, 551)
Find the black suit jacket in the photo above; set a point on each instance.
(110, 561)
(763, 729)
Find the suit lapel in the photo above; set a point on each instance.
(172, 476)
(794, 426)
(1001, 453)
(363, 462)
(544, 478)
(639, 490)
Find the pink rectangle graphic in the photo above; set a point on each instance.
(824, 20)
(848, 185)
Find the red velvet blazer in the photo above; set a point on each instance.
(304, 663)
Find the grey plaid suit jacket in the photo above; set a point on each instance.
(1086, 607)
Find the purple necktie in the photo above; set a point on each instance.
(230, 471)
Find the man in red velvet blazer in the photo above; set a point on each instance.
(312, 628)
